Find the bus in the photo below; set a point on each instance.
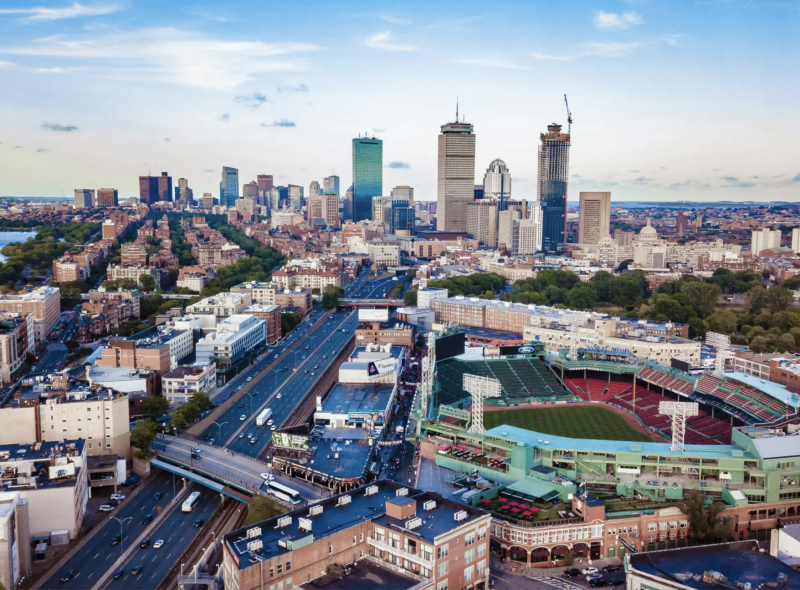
(190, 503)
(283, 492)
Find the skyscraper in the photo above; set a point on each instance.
(229, 186)
(551, 190)
(183, 192)
(264, 183)
(347, 205)
(148, 189)
(107, 197)
(314, 189)
(84, 198)
(330, 185)
(403, 193)
(296, 196)
(164, 183)
(594, 217)
(456, 185)
(497, 183)
(401, 218)
(367, 175)
(250, 189)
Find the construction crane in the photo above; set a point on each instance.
(569, 116)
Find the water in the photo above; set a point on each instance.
(7, 237)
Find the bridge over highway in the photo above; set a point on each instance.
(346, 302)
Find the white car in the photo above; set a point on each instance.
(158, 544)
(589, 570)
(249, 378)
(119, 497)
(197, 450)
(241, 435)
(279, 396)
(106, 508)
(242, 418)
(267, 476)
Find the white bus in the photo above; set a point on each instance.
(190, 503)
(283, 492)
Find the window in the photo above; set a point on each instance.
(652, 526)
(469, 556)
(271, 572)
(361, 537)
(289, 567)
(443, 551)
(468, 573)
(469, 539)
(330, 549)
(481, 550)
(441, 569)
(481, 567)
(354, 539)
(280, 569)
(442, 585)
(481, 533)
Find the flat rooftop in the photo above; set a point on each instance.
(333, 457)
(376, 352)
(368, 576)
(366, 398)
(154, 337)
(740, 562)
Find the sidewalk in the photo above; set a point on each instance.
(544, 572)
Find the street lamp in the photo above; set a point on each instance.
(120, 521)
(220, 428)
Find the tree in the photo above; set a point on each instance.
(289, 321)
(568, 560)
(147, 282)
(330, 298)
(705, 524)
(623, 266)
(759, 344)
(778, 298)
(754, 299)
(72, 345)
(410, 298)
(786, 343)
(583, 297)
(202, 401)
(155, 407)
(261, 508)
(705, 296)
(722, 322)
(143, 434)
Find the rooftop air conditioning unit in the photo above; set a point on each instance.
(460, 515)
(429, 505)
(371, 490)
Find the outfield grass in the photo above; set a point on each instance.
(572, 422)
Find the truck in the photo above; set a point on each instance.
(262, 418)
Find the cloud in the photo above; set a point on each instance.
(642, 180)
(42, 150)
(377, 130)
(6, 64)
(612, 49)
(58, 70)
(796, 178)
(167, 139)
(696, 184)
(395, 20)
(734, 182)
(381, 41)
(43, 13)
(301, 88)
(633, 171)
(396, 164)
(59, 127)
(225, 117)
(220, 18)
(171, 55)
(608, 21)
(254, 100)
(281, 123)
(18, 147)
(490, 62)
(209, 170)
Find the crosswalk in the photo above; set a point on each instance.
(560, 583)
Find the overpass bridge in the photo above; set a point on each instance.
(348, 302)
(173, 466)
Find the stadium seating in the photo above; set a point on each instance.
(741, 396)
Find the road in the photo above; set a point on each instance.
(177, 531)
(97, 554)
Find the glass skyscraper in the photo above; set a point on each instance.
(551, 191)
(229, 186)
(401, 218)
(367, 175)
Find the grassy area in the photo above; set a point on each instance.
(572, 422)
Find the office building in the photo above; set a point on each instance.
(314, 189)
(401, 218)
(16, 342)
(482, 222)
(456, 175)
(297, 299)
(383, 254)
(154, 349)
(330, 185)
(403, 193)
(236, 336)
(164, 183)
(594, 217)
(515, 210)
(229, 186)
(347, 205)
(426, 296)
(207, 201)
(324, 207)
(536, 216)
(765, 239)
(250, 190)
(148, 189)
(295, 196)
(222, 305)
(478, 192)
(107, 197)
(181, 383)
(271, 314)
(183, 193)
(84, 198)
(551, 191)
(497, 183)
(44, 303)
(524, 235)
(379, 206)
(264, 182)
(367, 175)
(796, 240)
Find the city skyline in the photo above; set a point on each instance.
(99, 96)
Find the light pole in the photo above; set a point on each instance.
(120, 521)
(220, 428)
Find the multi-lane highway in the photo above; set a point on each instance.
(98, 554)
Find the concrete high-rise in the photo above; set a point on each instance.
(330, 185)
(107, 197)
(796, 240)
(296, 196)
(497, 183)
(229, 186)
(764, 239)
(250, 189)
(314, 189)
(403, 193)
(264, 183)
(551, 190)
(482, 222)
(367, 175)
(84, 198)
(456, 183)
(183, 192)
(594, 217)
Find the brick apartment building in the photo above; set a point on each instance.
(44, 303)
(400, 335)
(297, 300)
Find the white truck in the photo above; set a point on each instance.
(262, 418)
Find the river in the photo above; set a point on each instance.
(6, 237)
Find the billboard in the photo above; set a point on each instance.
(373, 315)
(380, 367)
(680, 365)
(291, 441)
(65, 470)
(519, 349)
(450, 346)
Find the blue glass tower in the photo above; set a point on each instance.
(229, 186)
(367, 175)
(552, 186)
(401, 217)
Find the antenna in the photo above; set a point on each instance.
(456, 109)
(569, 116)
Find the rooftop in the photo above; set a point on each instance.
(370, 575)
(774, 390)
(740, 562)
(154, 337)
(184, 370)
(362, 398)
(39, 294)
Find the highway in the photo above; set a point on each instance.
(97, 554)
(177, 531)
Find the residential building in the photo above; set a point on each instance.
(110, 230)
(222, 305)
(383, 254)
(296, 299)
(482, 221)
(133, 272)
(193, 278)
(594, 217)
(307, 278)
(84, 198)
(207, 201)
(367, 175)
(134, 253)
(236, 336)
(378, 526)
(330, 185)
(796, 240)
(127, 303)
(456, 175)
(271, 314)
(159, 348)
(396, 335)
(551, 193)
(765, 239)
(107, 197)
(497, 183)
(180, 384)
(15, 539)
(426, 296)
(330, 210)
(43, 302)
(16, 342)
(229, 186)
(66, 269)
(525, 237)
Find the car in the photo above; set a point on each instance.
(117, 496)
(68, 575)
(118, 574)
(597, 583)
(137, 570)
(144, 544)
(148, 518)
(115, 540)
(304, 356)
(267, 476)
(612, 568)
(325, 356)
(157, 496)
(106, 508)
(279, 396)
(615, 582)
(272, 427)
(316, 367)
(253, 440)
(270, 422)
(197, 450)
(196, 457)
(238, 388)
(158, 544)
(306, 347)
(329, 339)
(305, 372)
(312, 374)
(198, 523)
(241, 435)
(591, 577)
(572, 573)
(589, 570)
(242, 418)
(249, 378)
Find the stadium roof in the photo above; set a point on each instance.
(533, 489)
(552, 441)
(775, 391)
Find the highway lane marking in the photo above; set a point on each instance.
(96, 556)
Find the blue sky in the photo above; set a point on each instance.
(670, 100)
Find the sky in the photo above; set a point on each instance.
(671, 100)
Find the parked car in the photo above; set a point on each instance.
(591, 577)
(117, 497)
(106, 508)
(616, 582)
(597, 583)
(589, 570)
(572, 573)
(612, 568)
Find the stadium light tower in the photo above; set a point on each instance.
(678, 411)
(481, 388)
(721, 344)
(427, 377)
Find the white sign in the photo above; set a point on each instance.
(373, 315)
(385, 365)
(56, 471)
